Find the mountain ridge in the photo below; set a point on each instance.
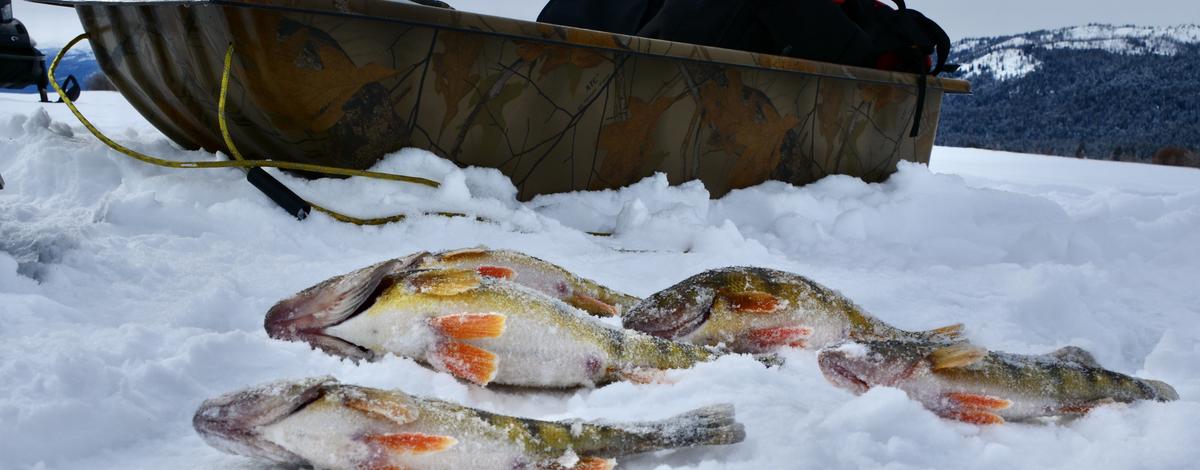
(1094, 91)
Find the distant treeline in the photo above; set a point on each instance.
(1084, 103)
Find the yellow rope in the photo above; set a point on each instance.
(239, 161)
(233, 150)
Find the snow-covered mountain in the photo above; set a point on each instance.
(1096, 91)
(80, 62)
(1007, 57)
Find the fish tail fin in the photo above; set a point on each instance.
(641, 350)
(712, 425)
(708, 426)
(1162, 390)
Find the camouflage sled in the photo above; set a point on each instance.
(344, 82)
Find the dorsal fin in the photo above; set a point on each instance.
(445, 282)
(956, 355)
(462, 254)
(1077, 355)
(751, 301)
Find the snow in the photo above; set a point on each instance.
(131, 293)
(1002, 64)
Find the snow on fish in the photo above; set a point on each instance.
(326, 424)
(479, 328)
(971, 384)
(756, 310)
(536, 274)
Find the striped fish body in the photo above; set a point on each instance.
(971, 384)
(481, 329)
(756, 310)
(337, 426)
(536, 274)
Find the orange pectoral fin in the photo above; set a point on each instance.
(752, 302)
(978, 402)
(498, 272)
(470, 363)
(643, 375)
(975, 417)
(469, 325)
(767, 338)
(411, 443)
(595, 463)
(591, 305)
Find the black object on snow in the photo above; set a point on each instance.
(280, 194)
(21, 64)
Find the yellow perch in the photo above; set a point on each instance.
(755, 310)
(480, 328)
(325, 424)
(971, 384)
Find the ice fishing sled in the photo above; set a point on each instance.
(345, 82)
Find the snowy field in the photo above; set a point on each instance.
(130, 293)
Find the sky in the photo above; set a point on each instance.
(53, 26)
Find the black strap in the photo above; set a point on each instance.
(941, 40)
(922, 84)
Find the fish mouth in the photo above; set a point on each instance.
(840, 375)
(306, 315)
(231, 422)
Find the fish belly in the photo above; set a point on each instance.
(333, 437)
(404, 335)
(325, 436)
(540, 354)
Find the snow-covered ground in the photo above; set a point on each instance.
(130, 293)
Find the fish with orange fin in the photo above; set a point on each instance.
(326, 424)
(536, 274)
(968, 383)
(479, 328)
(756, 310)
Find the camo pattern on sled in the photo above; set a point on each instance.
(556, 109)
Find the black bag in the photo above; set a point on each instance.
(21, 64)
(616, 16)
(864, 33)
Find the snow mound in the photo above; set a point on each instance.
(130, 293)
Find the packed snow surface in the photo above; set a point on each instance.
(131, 293)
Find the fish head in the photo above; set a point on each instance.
(305, 316)
(677, 311)
(720, 305)
(232, 422)
(859, 366)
